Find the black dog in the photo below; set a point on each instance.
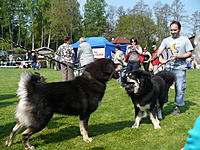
(79, 97)
(148, 93)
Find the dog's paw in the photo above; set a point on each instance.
(134, 126)
(30, 148)
(88, 140)
(8, 143)
(157, 127)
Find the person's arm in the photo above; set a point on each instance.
(163, 46)
(120, 57)
(112, 54)
(139, 49)
(186, 55)
(149, 57)
(78, 53)
(58, 52)
(154, 57)
(160, 57)
(72, 51)
(128, 49)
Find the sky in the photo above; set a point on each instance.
(190, 6)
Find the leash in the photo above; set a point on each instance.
(162, 65)
(46, 56)
(15, 44)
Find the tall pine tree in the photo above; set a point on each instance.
(94, 18)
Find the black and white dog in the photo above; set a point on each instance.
(79, 97)
(148, 93)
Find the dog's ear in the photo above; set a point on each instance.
(38, 78)
(146, 76)
(142, 74)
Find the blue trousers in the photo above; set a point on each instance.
(34, 65)
(133, 65)
(180, 85)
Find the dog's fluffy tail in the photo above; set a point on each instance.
(27, 83)
(167, 76)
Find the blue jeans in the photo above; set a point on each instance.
(180, 85)
(132, 65)
(121, 75)
(34, 66)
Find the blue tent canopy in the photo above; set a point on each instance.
(98, 42)
(3, 53)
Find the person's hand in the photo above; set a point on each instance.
(162, 61)
(175, 56)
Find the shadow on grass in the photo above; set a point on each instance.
(5, 97)
(6, 129)
(67, 133)
(53, 124)
(74, 131)
(169, 107)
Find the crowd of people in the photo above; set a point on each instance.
(29, 60)
(177, 48)
(136, 58)
(171, 55)
(65, 54)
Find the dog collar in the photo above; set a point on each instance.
(86, 73)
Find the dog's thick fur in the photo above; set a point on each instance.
(79, 97)
(148, 93)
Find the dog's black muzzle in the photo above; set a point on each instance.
(115, 75)
(125, 83)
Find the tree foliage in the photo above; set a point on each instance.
(94, 17)
(195, 22)
(139, 24)
(37, 23)
(110, 22)
(178, 11)
(162, 14)
(64, 18)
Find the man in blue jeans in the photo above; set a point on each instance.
(178, 49)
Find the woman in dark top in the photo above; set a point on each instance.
(147, 58)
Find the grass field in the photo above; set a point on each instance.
(109, 125)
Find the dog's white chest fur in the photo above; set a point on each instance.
(144, 108)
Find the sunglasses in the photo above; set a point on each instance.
(174, 30)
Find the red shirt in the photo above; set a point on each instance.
(155, 61)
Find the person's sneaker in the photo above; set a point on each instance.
(176, 112)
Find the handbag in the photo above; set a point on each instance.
(126, 58)
(141, 56)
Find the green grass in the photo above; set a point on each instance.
(109, 125)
